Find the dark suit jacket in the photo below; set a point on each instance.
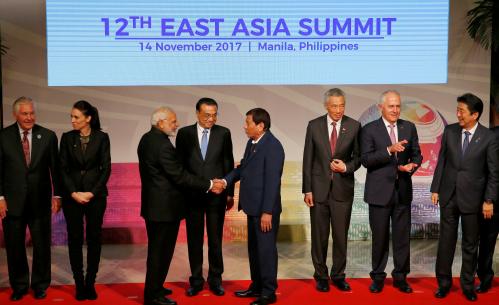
(472, 177)
(162, 176)
(87, 172)
(22, 185)
(382, 171)
(317, 157)
(219, 160)
(260, 175)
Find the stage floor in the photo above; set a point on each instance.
(126, 263)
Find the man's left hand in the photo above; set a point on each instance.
(338, 166)
(56, 205)
(408, 168)
(266, 222)
(487, 210)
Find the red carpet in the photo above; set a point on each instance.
(290, 292)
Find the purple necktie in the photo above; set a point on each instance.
(334, 137)
(25, 143)
(392, 134)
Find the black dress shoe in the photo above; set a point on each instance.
(193, 291)
(167, 291)
(160, 301)
(18, 294)
(90, 292)
(342, 285)
(322, 285)
(40, 294)
(482, 288)
(441, 293)
(403, 286)
(470, 295)
(81, 293)
(248, 293)
(376, 287)
(264, 300)
(217, 290)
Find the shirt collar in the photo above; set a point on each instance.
(21, 131)
(472, 130)
(257, 140)
(201, 129)
(388, 123)
(330, 120)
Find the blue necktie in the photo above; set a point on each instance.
(204, 143)
(466, 141)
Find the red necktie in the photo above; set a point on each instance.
(25, 143)
(333, 138)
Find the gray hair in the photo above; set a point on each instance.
(333, 92)
(23, 100)
(160, 114)
(384, 94)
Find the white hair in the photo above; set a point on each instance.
(23, 100)
(384, 94)
(160, 114)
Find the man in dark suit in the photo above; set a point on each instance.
(465, 185)
(162, 177)
(205, 150)
(330, 158)
(489, 229)
(391, 154)
(28, 174)
(260, 174)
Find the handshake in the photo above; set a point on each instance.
(218, 186)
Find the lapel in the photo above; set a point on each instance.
(475, 140)
(19, 145)
(402, 131)
(384, 132)
(36, 142)
(76, 147)
(324, 134)
(194, 136)
(343, 132)
(211, 142)
(259, 146)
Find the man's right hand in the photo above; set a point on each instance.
(3, 208)
(309, 199)
(434, 198)
(397, 147)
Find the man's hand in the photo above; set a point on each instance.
(3, 208)
(78, 197)
(266, 222)
(434, 198)
(487, 210)
(338, 166)
(230, 203)
(397, 147)
(408, 168)
(87, 196)
(218, 186)
(309, 199)
(56, 205)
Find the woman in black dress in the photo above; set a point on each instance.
(86, 167)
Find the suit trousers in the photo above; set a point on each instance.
(489, 229)
(162, 236)
(195, 222)
(323, 216)
(14, 230)
(262, 252)
(449, 221)
(92, 214)
(379, 220)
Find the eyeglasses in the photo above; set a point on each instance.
(207, 116)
